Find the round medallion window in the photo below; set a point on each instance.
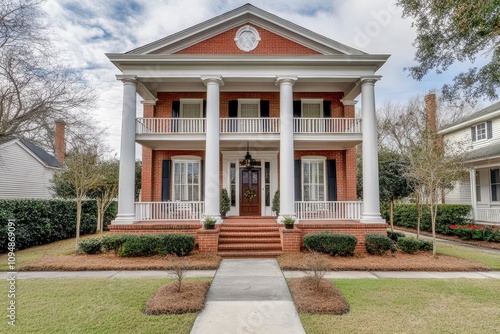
(247, 38)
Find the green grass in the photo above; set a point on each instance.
(489, 259)
(89, 306)
(413, 306)
(62, 247)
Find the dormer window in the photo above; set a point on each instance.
(481, 131)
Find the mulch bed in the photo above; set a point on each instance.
(322, 299)
(485, 244)
(421, 261)
(83, 262)
(166, 300)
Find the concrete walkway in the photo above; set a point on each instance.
(248, 296)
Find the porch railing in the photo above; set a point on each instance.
(170, 125)
(250, 125)
(151, 211)
(488, 214)
(329, 210)
(327, 125)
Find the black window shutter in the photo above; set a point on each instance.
(298, 183)
(489, 129)
(204, 109)
(473, 133)
(233, 108)
(202, 179)
(165, 180)
(264, 108)
(176, 109)
(327, 108)
(331, 170)
(297, 108)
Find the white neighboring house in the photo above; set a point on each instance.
(482, 131)
(25, 170)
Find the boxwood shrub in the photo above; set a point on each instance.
(406, 215)
(329, 243)
(146, 245)
(378, 244)
(90, 246)
(393, 235)
(39, 221)
(409, 245)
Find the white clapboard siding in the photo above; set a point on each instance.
(460, 194)
(463, 136)
(22, 175)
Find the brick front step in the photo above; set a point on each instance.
(246, 240)
(223, 235)
(250, 246)
(248, 228)
(247, 254)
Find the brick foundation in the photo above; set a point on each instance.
(208, 240)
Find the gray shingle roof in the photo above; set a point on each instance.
(483, 112)
(47, 158)
(486, 152)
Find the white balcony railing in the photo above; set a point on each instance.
(327, 125)
(250, 125)
(151, 211)
(170, 125)
(488, 215)
(329, 210)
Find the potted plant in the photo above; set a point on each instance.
(276, 203)
(225, 203)
(289, 222)
(209, 222)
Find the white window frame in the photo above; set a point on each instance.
(311, 101)
(496, 184)
(190, 101)
(248, 101)
(478, 186)
(185, 159)
(314, 159)
(477, 132)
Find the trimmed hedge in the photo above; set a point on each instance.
(41, 221)
(329, 243)
(378, 244)
(141, 245)
(393, 235)
(406, 215)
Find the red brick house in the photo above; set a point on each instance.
(248, 83)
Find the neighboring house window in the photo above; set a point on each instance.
(495, 184)
(313, 180)
(186, 185)
(312, 108)
(191, 108)
(478, 187)
(249, 108)
(482, 131)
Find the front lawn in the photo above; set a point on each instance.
(89, 306)
(490, 259)
(413, 306)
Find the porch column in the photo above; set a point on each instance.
(287, 190)
(212, 147)
(126, 185)
(473, 193)
(371, 197)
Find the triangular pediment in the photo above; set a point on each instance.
(219, 35)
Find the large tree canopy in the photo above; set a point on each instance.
(457, 30)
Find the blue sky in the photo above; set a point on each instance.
(84, 31)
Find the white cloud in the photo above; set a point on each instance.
(87, 30)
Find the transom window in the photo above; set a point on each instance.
(249, 108)
(313, 180)
(191, 108)
(312, 108)
(480, 131)
(186, 185)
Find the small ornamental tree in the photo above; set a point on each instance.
(276, 202)
(225, 202)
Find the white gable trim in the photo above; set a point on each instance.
(237, 17)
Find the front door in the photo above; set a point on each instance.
(250, 192)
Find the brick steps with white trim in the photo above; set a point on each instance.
(249, 238)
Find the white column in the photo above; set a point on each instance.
(473, 193)
(212, 147)
(126, 190)
(371, 197)
(287, 189)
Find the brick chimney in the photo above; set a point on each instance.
(430, 111)
(60, 142)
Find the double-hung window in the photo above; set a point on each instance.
(313, 179)
(495, 184)
(186, 185)
(191, 108)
